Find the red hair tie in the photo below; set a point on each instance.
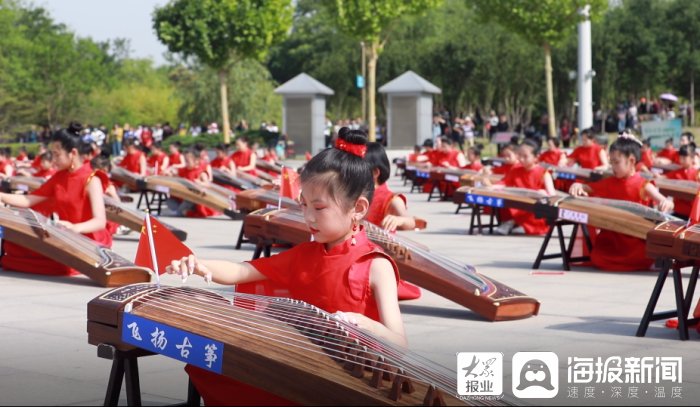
(356, 149)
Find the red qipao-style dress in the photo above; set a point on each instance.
(378, 209)
(682, 206)
(198, 211)
(66, 195)
(333, 280)
(533, 178)
(587, 156)
(614, 251)
(242, 159)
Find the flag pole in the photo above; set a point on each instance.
(279, 198)
(152, 247)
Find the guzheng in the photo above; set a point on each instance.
(283, 346)
(224, 178)
(662, 168)
(29, 229)
(448, 278)
(133, 218)
(681, 189)
(254, 199)
(21, 183)
(187, 190)
(674, 239)
(575, 173)
(268, 166)
(624, 217)
(131, 179)
(475, 179)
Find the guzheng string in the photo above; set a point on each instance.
(632, 207)
(220, 313)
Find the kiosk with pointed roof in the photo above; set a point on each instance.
(304, 112)
(409, 110)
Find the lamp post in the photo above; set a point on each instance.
(364, 88)
(585, 71)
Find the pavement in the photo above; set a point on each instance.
(585, 313)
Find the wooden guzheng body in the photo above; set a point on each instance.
(32, 230)
(681, 189)
(130, 179)
(283, 346)
(21, 183)
(133, 218)
(224, 178)
(624, 217)
(212, 197)
(576, 173)
(674, 239)
(254, 199)
(662, 168)
(268, 166)
(457, 282)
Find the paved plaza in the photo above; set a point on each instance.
(45, 358)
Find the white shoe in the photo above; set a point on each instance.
(504, 228)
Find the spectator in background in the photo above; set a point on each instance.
(167, 130)
(565, 132)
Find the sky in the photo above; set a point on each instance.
(110, 19)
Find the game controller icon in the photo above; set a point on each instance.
(535, 373)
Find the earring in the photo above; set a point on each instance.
(353, 242)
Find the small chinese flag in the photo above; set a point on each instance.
(308, 156)
(289, 187)
(166, 245)
(695, 211)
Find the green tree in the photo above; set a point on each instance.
(542, 22)
(683, 29)
(371, 21)
(220, 33)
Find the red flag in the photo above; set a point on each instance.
(308, 156)
(289, 187)
(695, 211)
(167, 246)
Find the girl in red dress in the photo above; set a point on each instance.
(135, 159)
(74, 194)
(527, 175)
(590, 154)
(474, 157)
(668, 154)
(647, 160)
(6, 167)
(686, 157)
(176, 162)
(244, 157)
(158, 161)
(341, 271)
(46, 169)
(222, 161)
(614, 251)
(509, 160)
(195, 172)
(553, 155)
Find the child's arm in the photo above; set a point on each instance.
(664, 204)
(549, 184)
(143, 165)
(398, 217)
(604, 162)
(20, 201)
(384, 288)
(579, 189)
(220, 271)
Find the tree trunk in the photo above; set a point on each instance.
(226, 126)
(550, 91)
(371, 93)
(691, 118)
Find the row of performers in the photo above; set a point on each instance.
(73, 195)
(611, 251)
(590, 155)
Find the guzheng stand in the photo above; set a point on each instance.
(565, 251)
(150, 202)
(683, 300)
(477, 211)
(125, 365)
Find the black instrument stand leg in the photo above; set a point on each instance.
(193, 397)
(133, 387)
(543, 248)
(680, 303)
(240, 236)
(114, 385)
(665, 265)
(562, 247)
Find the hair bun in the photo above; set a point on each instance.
(358, 137)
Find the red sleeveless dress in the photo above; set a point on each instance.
(682, 206)
(614, 251)
(66, 196)
(533, 178)
(378, 209)
(242, 159)
(336, 280)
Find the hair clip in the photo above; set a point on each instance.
(629, 136)
(355, 149)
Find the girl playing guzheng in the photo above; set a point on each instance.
(614, 251)
(340, 271)
(686, 158)
(527, 175)
(74, 194)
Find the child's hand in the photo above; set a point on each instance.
(391, 223)
(666, 205)
(187, 266)
(352, 318)
(577, 189)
